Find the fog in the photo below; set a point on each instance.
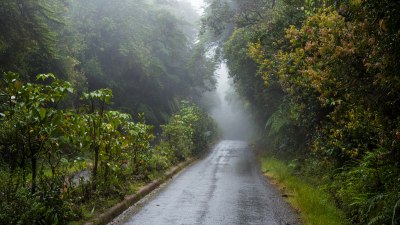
(149, 30)
(198, 5)
(228, 110)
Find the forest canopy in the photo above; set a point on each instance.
(96, 98)
(322, 79)
(143, 50)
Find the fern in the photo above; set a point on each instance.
(377, 220)
(277, 121)
(394, 212)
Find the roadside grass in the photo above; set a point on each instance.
(314, 205)
(93, 209)
(97, 206)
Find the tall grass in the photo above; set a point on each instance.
(315, 206)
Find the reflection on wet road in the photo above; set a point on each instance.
(226, 187)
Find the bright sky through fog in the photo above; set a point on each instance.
(197, 4)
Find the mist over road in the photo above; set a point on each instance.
(230, 114)
(226, 187)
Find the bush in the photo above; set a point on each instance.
(47, 206)
(369, 189)
(187, 133)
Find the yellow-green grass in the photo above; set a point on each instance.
(314, 205)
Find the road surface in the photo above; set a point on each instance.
(226, 187)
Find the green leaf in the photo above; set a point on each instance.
(42, 113)
(45, 76)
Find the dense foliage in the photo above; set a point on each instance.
(133, 47)
(71, 144)
(323, 77)
(130, 47)
(44, 147)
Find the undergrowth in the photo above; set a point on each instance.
(315, 206)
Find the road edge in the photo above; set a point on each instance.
(129, 200)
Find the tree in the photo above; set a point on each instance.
(28, 39)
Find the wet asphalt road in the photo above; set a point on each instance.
(226, 187)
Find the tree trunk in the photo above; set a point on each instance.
(34, 172)
(95, 166)
(33, 164)
(135, 163)
(107, 168)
